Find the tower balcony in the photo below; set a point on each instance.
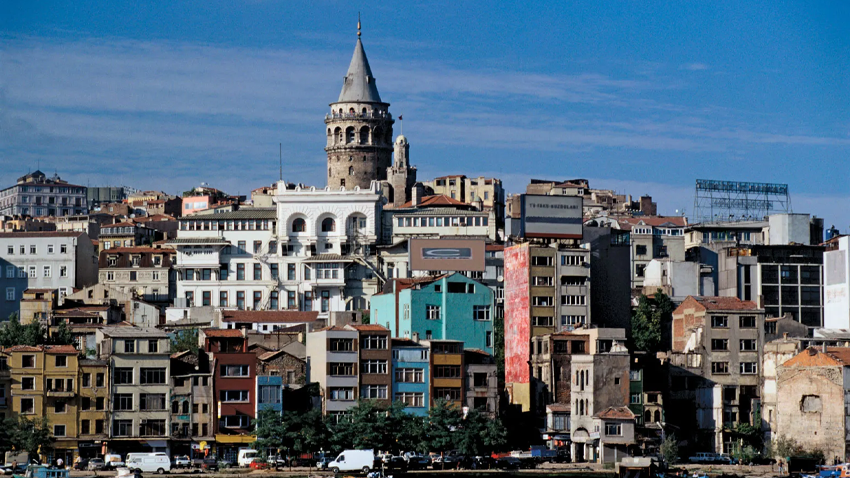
(370, 115)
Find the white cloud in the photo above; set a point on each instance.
(694, 67)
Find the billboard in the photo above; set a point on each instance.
(446, 255)
(517, 315)
(557, 217)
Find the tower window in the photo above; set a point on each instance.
(351, 170)
(364, 135)
(351, 158)
(349, 135)
(342, 182)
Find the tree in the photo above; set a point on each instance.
(30, 435)
(270, 430)
(183, 340)
(478, 434)
(442, 422)
(670, 449)
(13, 333)
(648, 319)
(62, 335)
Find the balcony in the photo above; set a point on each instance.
(60, 393)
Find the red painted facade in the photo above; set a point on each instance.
(235, 379)
(517, 314)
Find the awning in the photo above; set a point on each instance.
(235, 438)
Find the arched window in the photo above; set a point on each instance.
(299, 225)
(351, 170)
(364, 135)
(328, 225)
(377, 135)
(349, 135)
(351, 111)
(581, 407)
(364, 111)
(338, 135)
(647, 417)
(658, 415)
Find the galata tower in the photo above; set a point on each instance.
(360, 128)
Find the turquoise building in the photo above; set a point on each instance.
(411, 375)
(448, 307)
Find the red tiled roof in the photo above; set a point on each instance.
(812, 357)
(558, 407)
(725, 303)
(223, 333)
(616, 413)
(11, 235)
(139, 250)
(51, 349)
(261, 316)
(370, 328)
(335, 328)
(435, 200)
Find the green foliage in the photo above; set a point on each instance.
(269, 429)
(479, 435)
(745, 454)
(499, 347)
(648, 319)
(670, 449)
(62, 335)
(25, 435)
(293, 432)
(13, 333)
(441, 424)
(186, 339)
(365, 317)
(783, 447)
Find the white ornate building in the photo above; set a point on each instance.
(311, 252)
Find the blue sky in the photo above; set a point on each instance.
(640, 97)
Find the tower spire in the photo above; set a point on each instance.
(358, 24)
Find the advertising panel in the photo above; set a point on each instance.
(557, 217)
(447, 255)
(517, 319)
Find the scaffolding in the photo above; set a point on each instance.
(722, 201)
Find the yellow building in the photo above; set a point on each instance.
(44, 384)
(447, 372)
(93, 402)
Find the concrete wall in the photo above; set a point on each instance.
(789, 228)
(811, 410)
(836, 269)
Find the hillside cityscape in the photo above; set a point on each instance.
(388, 311)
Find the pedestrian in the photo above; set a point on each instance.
(59, 463)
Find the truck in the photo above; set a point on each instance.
(543, 454)
(354, 460)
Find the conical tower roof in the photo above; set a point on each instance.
(359, 84)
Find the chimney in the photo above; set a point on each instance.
(244, 332)
(416, 337)
(784, 335)
(823, 347)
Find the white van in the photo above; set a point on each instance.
(353, 460)
(247, 456)
(149, 462)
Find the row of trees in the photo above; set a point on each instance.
(369, 425)
(14, 333)
(19, 433)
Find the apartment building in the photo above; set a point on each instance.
(94, 406)
(234, 393)
(35, 194)
(788, 277)
(334, 364)
(551, 369)
(435, 217)
(140, 387)
(375, 359)
(653, 237)
(411, 374)
(715, 368)
(447, 372)
(145, 272)
(600, 381)
(45, 384)
(278, 372)
(266, 321)
(126, 234)
(44, 260)
(482, 382)
(193, 412)
(448, 307)
(486, 192)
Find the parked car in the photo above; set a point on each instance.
(182, 462)
(246, 457)
(149, 462)
(705, 457)
(508, 463)
(82, 464)
(112, 462)
(727, 459)
(396, 463)
(416, 461)
(353, 461)
(480, 463)
(209, 463)
(96, 464)
(277, 461)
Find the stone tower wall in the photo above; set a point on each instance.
(359, 144)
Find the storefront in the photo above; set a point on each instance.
(227, 446)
